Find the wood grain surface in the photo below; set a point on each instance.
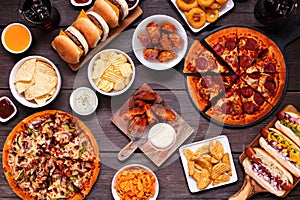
(169, 84)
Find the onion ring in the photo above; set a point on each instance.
(215, 5)
(206, 3)
(221, 2)
(212, 15)
(186, 5)
(196, 17)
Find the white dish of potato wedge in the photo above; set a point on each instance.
(192, 183)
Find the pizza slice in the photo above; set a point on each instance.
(270, 60)
(200, 60)
(270, 86)
(228, 109)
(250, 45)
(253, 103)
(224, 43)
(203, 89)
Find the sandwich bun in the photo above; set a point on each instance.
(66, 46)
(100, 23)
(88, 29)
(260, 179)
(278, 156)
(106, 11)
(112, 11)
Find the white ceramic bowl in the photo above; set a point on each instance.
(13, 113)
(3, 38)
(138, 48)
(114, 193)
(162, 136)
(73, 2)
(91, 66)
(83, 101)
(20, 97)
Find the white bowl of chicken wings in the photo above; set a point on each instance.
(159, 42)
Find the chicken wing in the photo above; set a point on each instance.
(145, 40)
(169, 28)
(151, 54)
(154, 32)
(166, 42)
(176, 40)
(166, 56)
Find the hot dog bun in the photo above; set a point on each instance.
(290, 128)
(279, 155)
(70, 45)
(273, 166)
(112, 11)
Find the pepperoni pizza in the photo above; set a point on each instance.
(51, 155)
(248, 82)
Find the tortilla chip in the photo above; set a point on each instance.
(26, 71)
(45, 68)
(21, 86)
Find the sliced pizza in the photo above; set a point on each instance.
(39, 161)
(200, 60)
(253, 103)
(228, 109)
(224, 43)
(270, 86)
(250, 44)
(270, 60)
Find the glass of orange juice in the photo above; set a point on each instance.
(16, 38)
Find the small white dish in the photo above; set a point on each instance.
(138, 48)
(20, 39)
(83, 101)
(131, 7)
(162, 136)
(114, 193)
(92, 82)
(192, 184)
(74, 3)
(5, 104)
(20, 97)
(224, 9)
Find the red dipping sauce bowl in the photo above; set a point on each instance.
(132, 4)
(7, 109)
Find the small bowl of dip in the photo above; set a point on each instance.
(132, 4)
(16, 38)
(162, 136)
(83, 101)
(7, 109)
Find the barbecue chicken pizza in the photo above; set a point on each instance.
(51, 155)
(235, 75)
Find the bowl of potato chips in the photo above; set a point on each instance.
(135, 181)
(111, 72)
(34, 81)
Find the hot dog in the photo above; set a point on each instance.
(286, 152)
(289, 124)
(267, 172)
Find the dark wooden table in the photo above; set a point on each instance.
(170, 85)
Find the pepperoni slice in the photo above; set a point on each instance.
(230, 44)
(251, 44)
(249, 107)
(219, 49)
(258, 98)
(201, 63)
(246, 92)
(254, 75)
(234, 78)
(245, 61)
(270, 85)
(229, 93)
(227, 108)
(263, 53)
(270, 68)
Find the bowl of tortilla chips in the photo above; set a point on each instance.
(34, 81)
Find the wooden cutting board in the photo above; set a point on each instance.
(133, 15)
(250, 186)
(183, 130)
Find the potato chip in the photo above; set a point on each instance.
(105, 85)
(188, 154)
(119, 85)
(191, 168)
(221, 179)
(219, 169)
(26, 71)
(226, 160)
(118, 60)
(111, 76)
(98, 69)
(217, 150)
(197, 176)
(204, 163)
(204, 179)
(107, 55)
(125, 69)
